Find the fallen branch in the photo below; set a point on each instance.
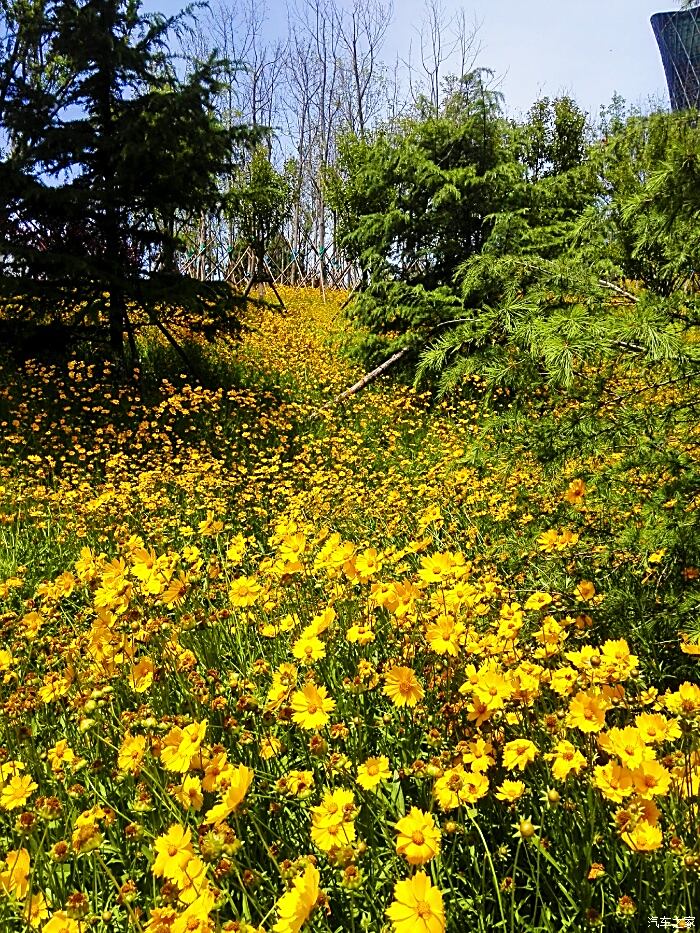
(368, 378)
(616, 288)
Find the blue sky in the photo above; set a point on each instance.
(588, 48)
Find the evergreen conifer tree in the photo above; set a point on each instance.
(98, 173)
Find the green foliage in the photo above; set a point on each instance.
(412, 201)
(259, 199)
(419, 200)
(96, 174)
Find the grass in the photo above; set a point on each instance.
(181, 559)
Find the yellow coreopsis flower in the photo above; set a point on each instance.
(538, 601)
(14, 880)
(457, 787)
(613, 781)
(587, 713)
(244, 592)
(565, 758)
(35, 909)
(189, 793)
(181, 745)
(436, 568)
(173, 852)
(417, 906)
(309, 649)
(643, 837)
(131, 754)
(295, 907)
(329, 835)
(161, 920)
(16, 792)
(519, 753)
(510, 791)
(651, 779)
(60, 922)
(402, 686)
(655, 728)
(575, 491)
(418, 837)
(372, 772)
(444, 635)
(627, 744)
(61, 756)
(239, 780)
(311, 707)
(141, 675)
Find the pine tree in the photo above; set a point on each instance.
(99, 175)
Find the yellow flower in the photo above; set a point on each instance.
(436, 568)
(538, 601)
(457, 786)
(244, 592)
(367, 564)
(236, 550)
(419, 837)
(308, 649)
(361, 634)
(181, 745)
(651, 779)
(295, 907)
(402, 686)
(627, 744)
(510, 791)
(492, 689)
(444, 635)
(613, 781)
(189, 793)
(141, 675)
(35, 909)
(195, 891)
(16, 792)
(644, 837)
(333, 820)
(61, 756)
(161, 920)
(373, 772)
(417, 906)
(685, 701)
(655, 728)
(575, 492)
(565, 758)
(587, 713)
(131, 754)
(311, 707)
(328, 836)
(478, 755)
(585, 590)
(239, 780)
(173, 852)
(519, 753)
(270, 747)
(335, 805)
(60, 922)
(14, 880)
(296, 783)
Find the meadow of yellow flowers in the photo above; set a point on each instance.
(269, 664)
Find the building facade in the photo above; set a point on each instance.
(678, 37)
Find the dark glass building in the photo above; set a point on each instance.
(678, 37)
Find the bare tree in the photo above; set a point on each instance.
(362, 33)
(443, 40)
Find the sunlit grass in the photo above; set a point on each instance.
(268, 662)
